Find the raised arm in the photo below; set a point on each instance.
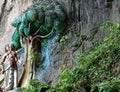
(3, 59)
(18, 58)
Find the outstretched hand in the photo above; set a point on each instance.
(1, 63)
(3, 71)
(23, 64)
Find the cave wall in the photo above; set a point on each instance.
(84, 18)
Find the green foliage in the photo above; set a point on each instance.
(44, 15)
(16, 44)
(26, 31)
(36, 57)
(16, 22)
(15, 39)
(63, 39)
(32, 15)
(44, 30)
(107, 86)
(96, 67)
(36, 86)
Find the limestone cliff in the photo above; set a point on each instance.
(84, 18)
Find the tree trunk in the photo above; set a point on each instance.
(30, 67)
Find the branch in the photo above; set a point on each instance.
(45, 36)
(40, 36)
(38, 39)
(29, 27)
(36, 32)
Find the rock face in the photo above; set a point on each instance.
(84, 17)
(10, 9)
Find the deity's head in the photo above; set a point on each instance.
(11, 47)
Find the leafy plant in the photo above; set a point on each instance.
(36, 57)
(96, 68)
(63, 39)
(96, 65)
(36, 86)
(107, 86)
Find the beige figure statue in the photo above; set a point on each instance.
(12, 58)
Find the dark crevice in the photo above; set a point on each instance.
(3, 9)
(79, 13)
(10, 9)
(109, 4)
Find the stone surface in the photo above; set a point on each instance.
(14, 90)
(1, 6)
(84, 17)
(11, 10)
